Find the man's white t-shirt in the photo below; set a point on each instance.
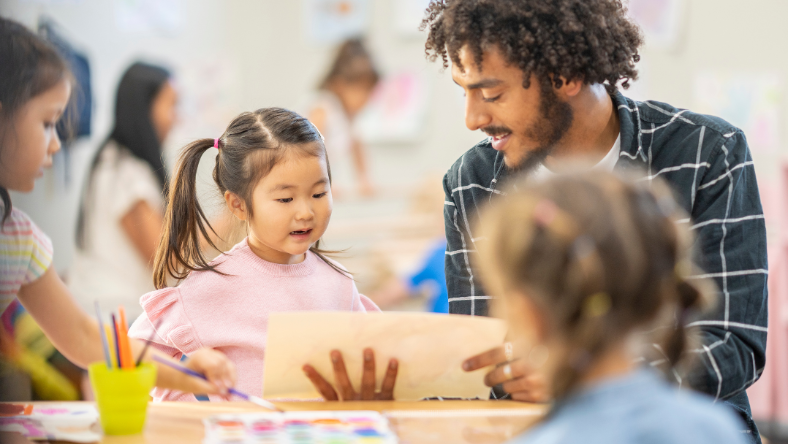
(606, 164)
(110, 269)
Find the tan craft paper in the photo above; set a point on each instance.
(430, 349)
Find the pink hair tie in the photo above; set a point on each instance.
(216, 143)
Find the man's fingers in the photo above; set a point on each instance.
(540, 397)
(326, 391)
(532, 388)
(341, 378)
(493, 356)
(518, 368)
(368, 376)
(387, 388)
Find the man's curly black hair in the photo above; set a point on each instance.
(592, 40)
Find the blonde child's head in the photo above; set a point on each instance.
(582, 264)
(35, 86)
(273, 172)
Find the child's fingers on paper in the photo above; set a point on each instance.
(368, 376)
(387, 388)
(493, 356)
(326, 391)
(341, 378)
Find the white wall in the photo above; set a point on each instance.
(236, 55)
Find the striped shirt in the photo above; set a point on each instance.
(25, 254)
(708, 163)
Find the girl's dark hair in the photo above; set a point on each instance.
(29, 66)
(352, 64)
(250, 147)
(133, 128)
(601, 258)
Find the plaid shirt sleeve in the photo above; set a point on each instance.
(458, 270)
(728, 222)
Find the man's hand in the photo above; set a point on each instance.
(517, 377)
(345, 388)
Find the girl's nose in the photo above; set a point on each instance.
(54, 143)
(305, 212)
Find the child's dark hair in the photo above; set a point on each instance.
(249, 148)
(352, 64)
(29, 66)
(600, 257)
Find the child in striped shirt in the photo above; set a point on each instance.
(35, 86)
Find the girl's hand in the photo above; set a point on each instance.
(346, 391)
(219, 370)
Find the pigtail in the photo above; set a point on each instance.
(6, 206)
(323, 255)
(185, 223)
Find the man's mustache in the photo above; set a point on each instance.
(495, 131)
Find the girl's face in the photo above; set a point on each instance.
(292, 206)
(32, 140)
(164, 110)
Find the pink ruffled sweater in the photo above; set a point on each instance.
(230, 313)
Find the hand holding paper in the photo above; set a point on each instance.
(430, 350)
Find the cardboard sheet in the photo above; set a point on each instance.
(430, 349)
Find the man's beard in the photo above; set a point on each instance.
(555, 119)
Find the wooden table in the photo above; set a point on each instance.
(477, 422)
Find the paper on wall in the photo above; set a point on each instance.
(430, 349)
(750, 101)
(660, 20)
(332, 21)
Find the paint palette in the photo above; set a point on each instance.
(72, 422)
(348, 427)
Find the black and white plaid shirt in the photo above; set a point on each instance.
(708, 163)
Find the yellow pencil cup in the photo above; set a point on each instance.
(122, 396)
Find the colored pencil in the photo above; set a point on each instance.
(125, 348)
(102, 332)
(111, 338)
(117, 339)
(255, 399)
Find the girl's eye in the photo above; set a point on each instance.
(287, 200)
(49, 125)
(318, 196)
(492, 99)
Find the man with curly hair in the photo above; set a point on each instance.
(542, 80)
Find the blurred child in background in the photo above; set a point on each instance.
(344, 92)
(35, 86)
(120, 219)
(591, 271)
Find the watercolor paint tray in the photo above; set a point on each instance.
(344, 427)
(69, 422)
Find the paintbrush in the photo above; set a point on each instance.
(253, 399)
(147, 343)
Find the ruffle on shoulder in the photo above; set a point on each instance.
(164, 313)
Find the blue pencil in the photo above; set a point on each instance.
(117, 339)
(104, 343)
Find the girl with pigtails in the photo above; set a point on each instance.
(592, 273)
(273, 173)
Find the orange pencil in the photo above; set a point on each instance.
(127, 361)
